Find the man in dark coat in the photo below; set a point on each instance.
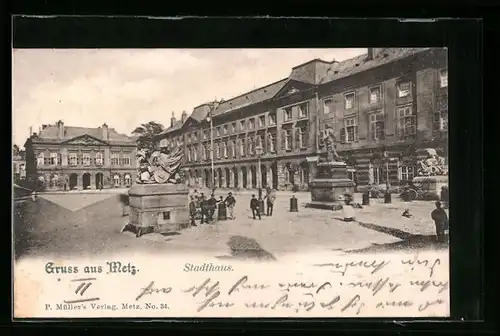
(212, 205)
(254, 205)
(204, 209)
(440, 219)
(192, 211)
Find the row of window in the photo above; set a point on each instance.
(82, 160)
(406, 124)
(378, 175)
(301, 111)
(251, 145)
(375, 96)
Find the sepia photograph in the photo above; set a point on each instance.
(230, 182)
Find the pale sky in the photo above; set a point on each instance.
(127, 87)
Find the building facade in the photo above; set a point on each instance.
(63, 157)
(384, 106)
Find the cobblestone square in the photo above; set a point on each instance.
(53, 226)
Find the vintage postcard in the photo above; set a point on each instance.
(170, 183)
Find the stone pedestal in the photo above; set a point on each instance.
(431, 186)
(329, 186)
(158, 208)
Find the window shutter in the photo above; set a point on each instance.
(356, 135)
(342, 135)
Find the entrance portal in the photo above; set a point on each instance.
(99, 180)
(73, 181)
(86, 181)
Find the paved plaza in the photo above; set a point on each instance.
(86, 224)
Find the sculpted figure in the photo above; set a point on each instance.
(159, 166)
(431, 165)
(331, 144)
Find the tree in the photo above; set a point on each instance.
(146, 133)
(15, 150)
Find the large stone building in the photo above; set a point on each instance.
(383, 106)
(63, 157)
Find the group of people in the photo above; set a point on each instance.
(204, 208)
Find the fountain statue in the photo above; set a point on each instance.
(159, 198)
(432, 173)
(331, 183)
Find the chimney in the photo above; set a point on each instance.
(60, 129)
(373, 52)
(104, 131)
(172, 120)
(184, 116)
(31, 131)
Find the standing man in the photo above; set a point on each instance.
(212, 205)
(231, 202)
(271, 197)
(440, 219)
(204, 209)
(254, 205)
(192, 211)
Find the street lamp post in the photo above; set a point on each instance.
(259, 151)
(212, 107)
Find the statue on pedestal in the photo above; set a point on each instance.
(432, 164)
(159, 166)
(331, 145)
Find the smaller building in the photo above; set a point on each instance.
(63, 157)
(19, 167)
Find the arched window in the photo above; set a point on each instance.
(116, 180)
(128, 180)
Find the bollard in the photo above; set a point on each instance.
(293, 205)
(366, 199)
(387, 197)
(261, 207)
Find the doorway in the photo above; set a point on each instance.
(86, 181)
(99, 180)
(244, 177)
(73, 181)
(274, 175)
(263, 177)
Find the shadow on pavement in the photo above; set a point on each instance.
(408, 241)
(246, 248)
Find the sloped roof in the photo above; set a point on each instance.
(178, 125)
(315, 72)
(360, 63)
(51, 134)
(253, 97)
